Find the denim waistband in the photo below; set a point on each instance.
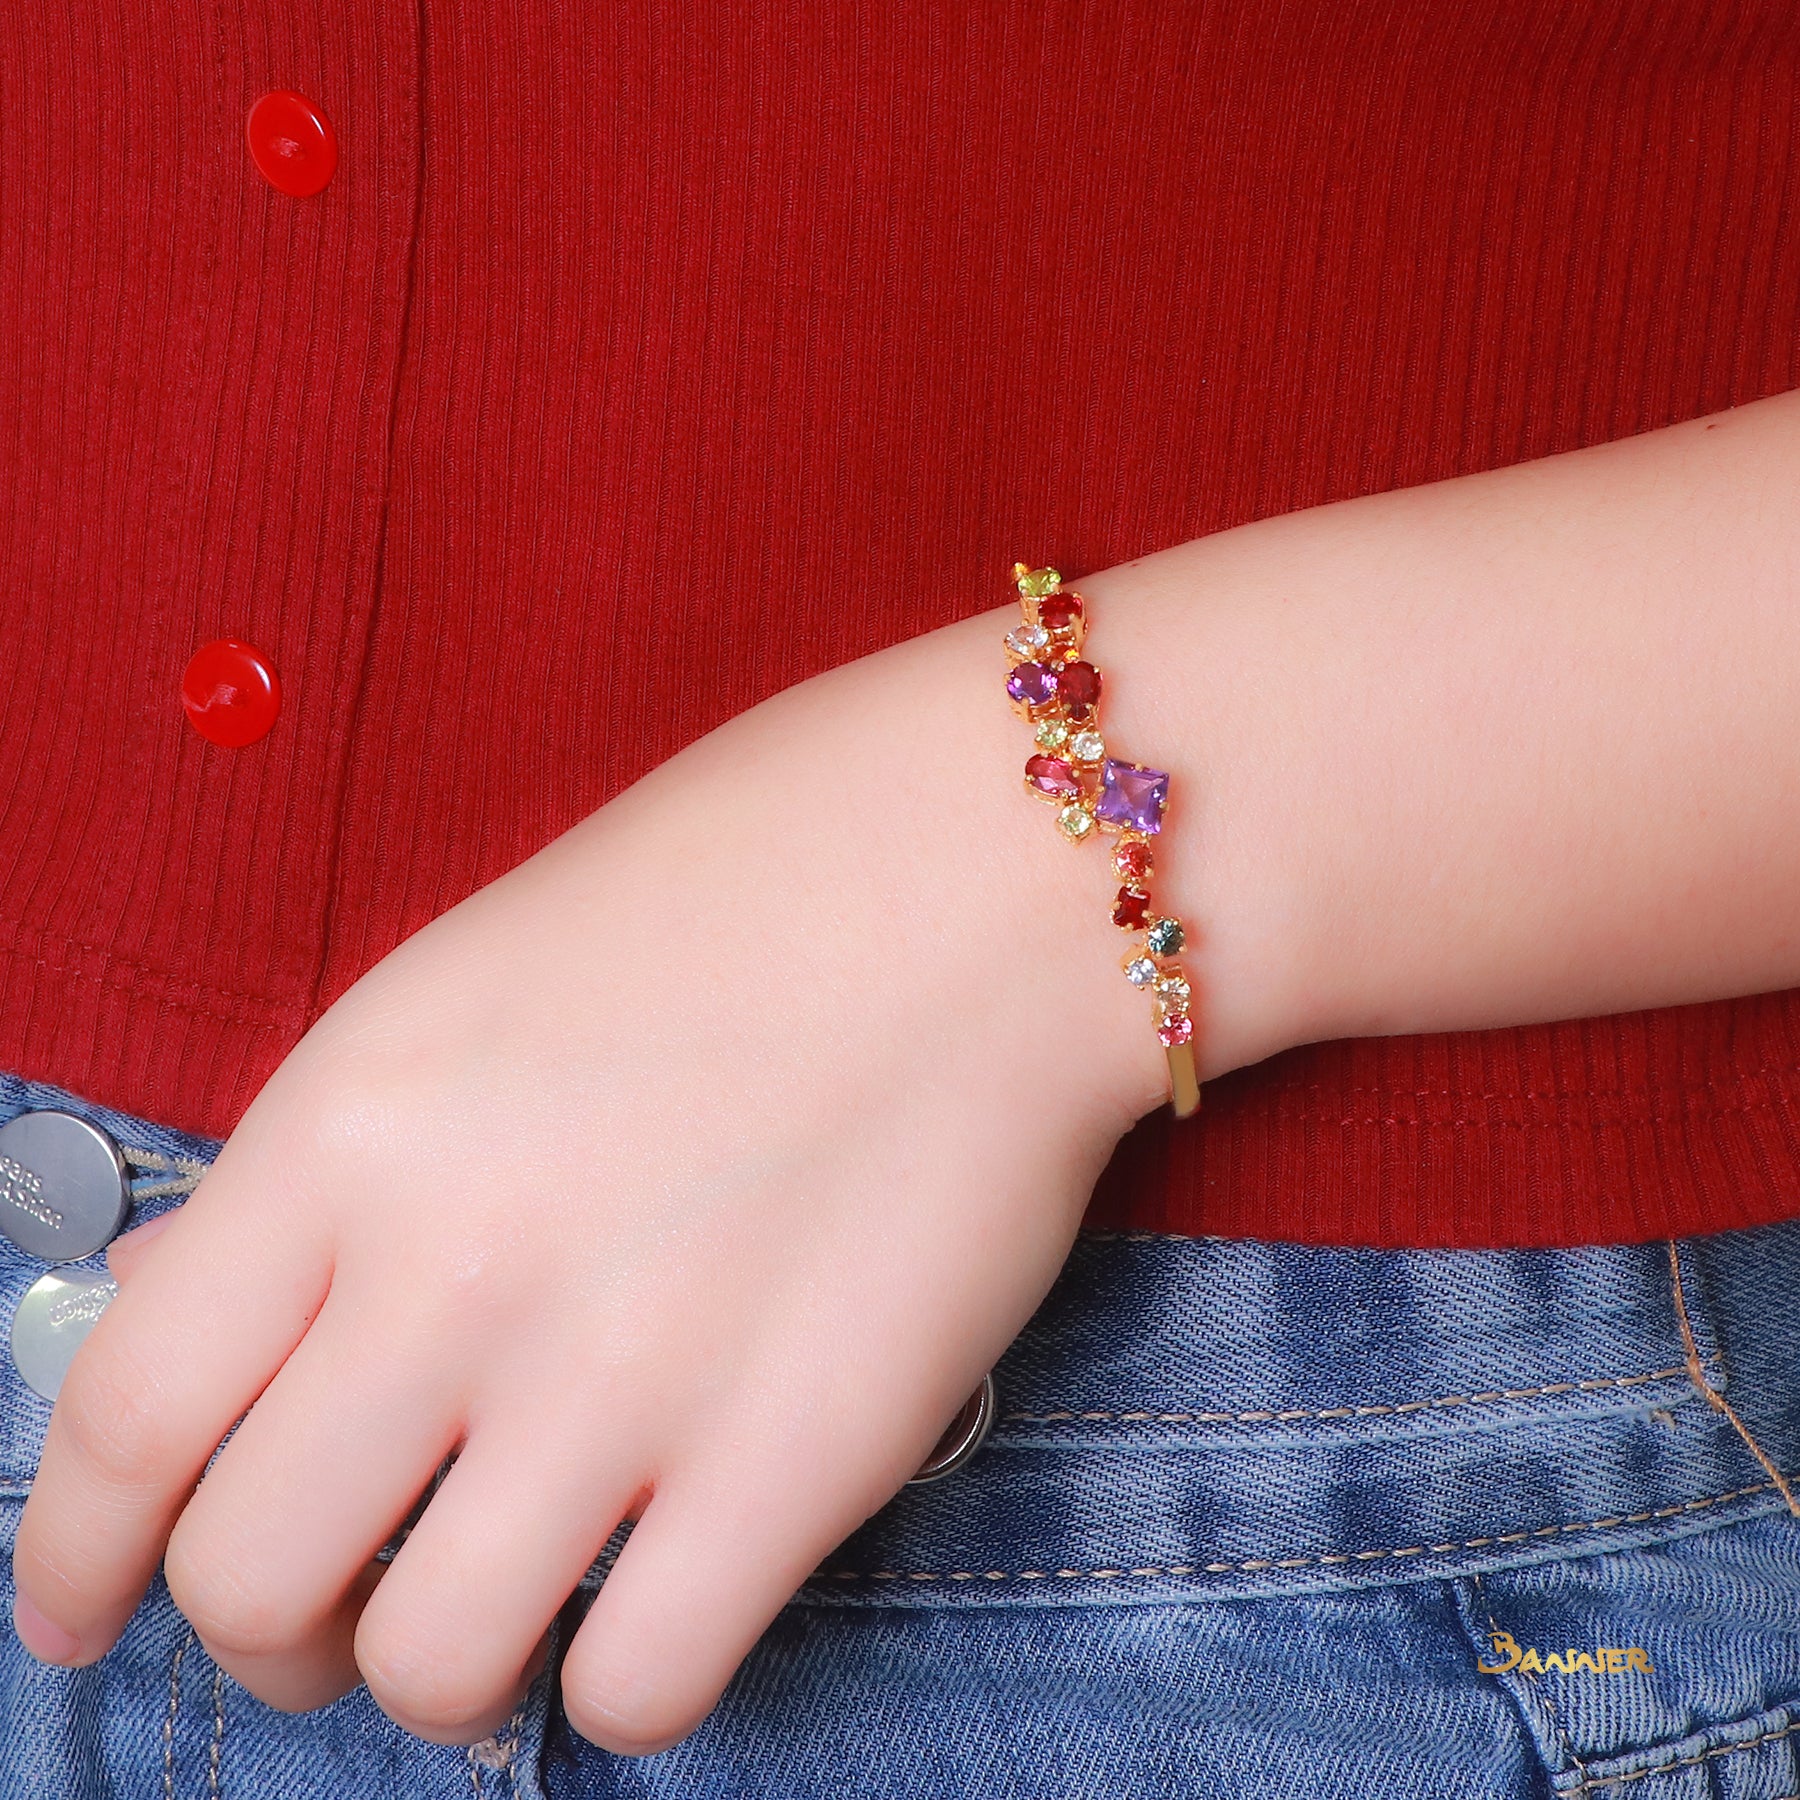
(1191, 1418)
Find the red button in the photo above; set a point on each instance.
(230, 693)
(292, 143)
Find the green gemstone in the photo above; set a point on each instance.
(1036, 583)
(1166, 937)
(1052, 734)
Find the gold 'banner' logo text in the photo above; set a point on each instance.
(1603, 1659)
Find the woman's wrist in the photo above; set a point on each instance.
(1506, 748)
(1512, 747)
(1202, 682)
(1039, 906)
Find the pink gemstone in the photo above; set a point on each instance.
(1177, 1028)
(1051, 775)
(1079, 685)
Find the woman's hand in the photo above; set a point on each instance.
(694, 1172)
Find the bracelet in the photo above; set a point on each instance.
(1052, 687)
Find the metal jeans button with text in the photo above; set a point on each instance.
(54, 1318)
(64, 1193)
(63, 1185)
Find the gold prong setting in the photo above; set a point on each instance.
(1057, 691)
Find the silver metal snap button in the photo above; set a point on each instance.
(64, 1186)
(964, 1436)
(54, 1318)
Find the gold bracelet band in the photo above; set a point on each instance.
(1058, 692)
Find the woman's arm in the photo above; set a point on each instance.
(737, 1131)
(1519, 746)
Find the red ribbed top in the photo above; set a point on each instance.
(618, 327)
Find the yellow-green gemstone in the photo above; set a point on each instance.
(1076, 822)
(1052, 734)
(1036, 583)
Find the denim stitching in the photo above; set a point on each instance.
(1265, 1416)
(1256, 1564)
(218, 1737)
(140, 1157)
(168, 1730)
(183, 1177)
(1711, 1394)
(1596, 1782)
(1538, 1690)
(154, 1190)
(499, 1751)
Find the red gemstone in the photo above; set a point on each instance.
(1131, 909)
(1051, 775)
(1057, 612)
(1079, 685)
(1132, 860)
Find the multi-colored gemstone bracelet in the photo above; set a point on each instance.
(1058, 692)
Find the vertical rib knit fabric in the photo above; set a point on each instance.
(539, 443)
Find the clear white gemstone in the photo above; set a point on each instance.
(1026, 640)
(1140, 971)
(1173, 992)
(1087, 746)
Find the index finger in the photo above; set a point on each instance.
(182, 1353)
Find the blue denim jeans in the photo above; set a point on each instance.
(1256, 1519)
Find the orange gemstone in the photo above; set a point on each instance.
(1132, 860)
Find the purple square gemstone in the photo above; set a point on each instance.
(1131, 797)
(1032, 682)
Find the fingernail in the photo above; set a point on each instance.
(48, 1643)
(138, 1236)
